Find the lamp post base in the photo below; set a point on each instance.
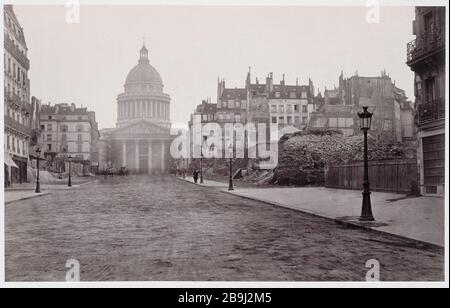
(366, 212)
(230, 185)
(38, 188)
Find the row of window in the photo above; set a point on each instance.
(12, 90)
(232, 104)
(208, 117)
(18, 117)
(230, 117)
(64, 148)
(13, 144)
(289, 120)
(18, 74)
(303, 94)
(49, 137)
(65, 118)
(63, 127)
(12, 25)
(289, 108)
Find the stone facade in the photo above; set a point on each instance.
(17, 108)
(426, 57)
(69, 131)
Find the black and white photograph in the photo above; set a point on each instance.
(251, 144)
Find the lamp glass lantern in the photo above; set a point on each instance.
(365, 119)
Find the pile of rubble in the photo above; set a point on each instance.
(303, 156)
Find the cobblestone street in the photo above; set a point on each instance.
(161, 228)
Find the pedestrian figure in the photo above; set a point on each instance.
(195, 176)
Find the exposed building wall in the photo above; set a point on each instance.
(387, 102)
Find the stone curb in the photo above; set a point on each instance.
(346, 223)
(29, 197)
(201, 185)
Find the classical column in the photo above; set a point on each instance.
(144, 108)
(124, 153)
(163, 157)
(150, 156)
(137, 156)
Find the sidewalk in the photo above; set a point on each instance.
(17, 195)
(27, 190)
(421, 219)
(206, 183)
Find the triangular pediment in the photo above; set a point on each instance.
(142, 127)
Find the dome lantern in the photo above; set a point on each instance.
(144, 55)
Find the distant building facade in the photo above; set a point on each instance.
(67, 130)
(426, 57)
(17, 107)
(282, 104)
(141, 140)
(287, 106)
(393, 114)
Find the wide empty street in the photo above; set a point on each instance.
(165, 229)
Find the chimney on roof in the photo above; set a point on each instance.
(296, 81)
(248, 79)
(220, 88)
(72, 107)
(269, 82)
(283, 81)
(257, 81)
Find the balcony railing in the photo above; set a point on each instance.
(425, 43)
(430, 111)
(20, 56)
(17, 102)
(9, 122)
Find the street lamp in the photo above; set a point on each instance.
(365, 119)
(38, 184)
(230, 182)
(70, 176)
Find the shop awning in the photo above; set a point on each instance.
(9, 162)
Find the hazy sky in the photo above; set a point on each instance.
(191, 46)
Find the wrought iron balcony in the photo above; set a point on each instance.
(11, 123)
(430, 111)
(15, 51)
(425, 43)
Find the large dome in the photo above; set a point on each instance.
(143, 96)
(144, 72)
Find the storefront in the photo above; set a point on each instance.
(433, 163)
(9, 166)
(19, 174)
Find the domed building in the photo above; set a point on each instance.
(141, 140)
